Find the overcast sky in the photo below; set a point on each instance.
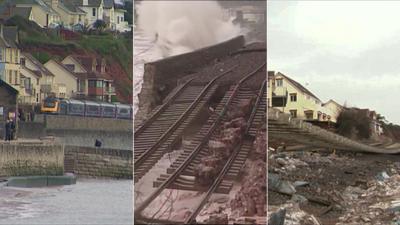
(341, 50)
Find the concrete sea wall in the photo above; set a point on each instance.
(31, 159)
(93, 162)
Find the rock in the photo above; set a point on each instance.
(218, 219)
(205, 175)
(286, 187)
(273, 181)
(281, 161)
(382, 176)
(300, 184)
(299, 198)
(277, 218)
(394, 206)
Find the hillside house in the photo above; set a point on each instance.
(8, 11)
(93, 8)
(41, 12)
(119, 19)
(94, 82)
(8, 103)
(70, 13)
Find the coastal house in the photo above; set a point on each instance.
(94, 82)
(332, 109)
(36, 80)
(41, 12)
(65, 80)
(9, 56)
(70, 13)
(289, 96)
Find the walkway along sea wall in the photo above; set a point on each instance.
(162, 76)
(28, 159)
(99, 162)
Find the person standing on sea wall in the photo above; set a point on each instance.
(8, 129)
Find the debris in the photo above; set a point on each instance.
(277, 218)
(382, 176)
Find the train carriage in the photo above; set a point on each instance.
(86, 108)
(92, 109)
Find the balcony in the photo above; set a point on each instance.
(280, 92)
(109, 90)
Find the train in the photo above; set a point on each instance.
(86, 108)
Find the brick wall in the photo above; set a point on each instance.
(99, 162)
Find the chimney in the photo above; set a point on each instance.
(85, 3)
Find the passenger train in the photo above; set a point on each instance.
(86, 108)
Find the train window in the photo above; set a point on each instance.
(92, 108)
(109, 109)
(123, 111)
(49, 103)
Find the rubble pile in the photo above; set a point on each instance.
(341, 188)
(251, 200)
(221, 146)
(260, 145)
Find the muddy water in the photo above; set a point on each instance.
(90, 201)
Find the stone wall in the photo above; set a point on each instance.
(99, 162)
(29, 159)
(161, 77)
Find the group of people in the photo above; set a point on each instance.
(10, 130)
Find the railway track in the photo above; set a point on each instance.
(192, 153)
(282, 127)
(167, 124)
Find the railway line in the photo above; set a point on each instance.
(180, 174)
(282, 127)
(163, 129)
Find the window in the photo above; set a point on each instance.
(16, 76)
(11, 55)
(279, 82)
(10, 76)
(80, 18)
(293, 97)
(99, 84)
(37, 81)
(309, 114)
(16, 56)
(92, 83)
(22, 61)
(94, 12)
(1, 55)
(293, 113)
(117, 19)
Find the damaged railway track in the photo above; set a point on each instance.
(163, 129)
(282, 126)
(184, 166)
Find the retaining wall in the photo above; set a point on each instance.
(99, 162)
(31, 159)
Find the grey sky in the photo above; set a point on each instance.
(341, 50)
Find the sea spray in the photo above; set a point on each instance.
(183, 26)
(167, 28)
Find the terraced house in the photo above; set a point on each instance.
(9, 56)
